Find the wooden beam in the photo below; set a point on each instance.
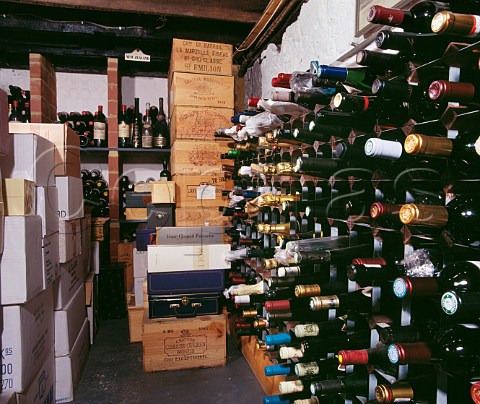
(245, 11)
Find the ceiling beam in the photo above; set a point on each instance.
(246, 11)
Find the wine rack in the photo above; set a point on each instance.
(404, 239)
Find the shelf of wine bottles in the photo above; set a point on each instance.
(95, 192)
(18, 104)
(356, 219)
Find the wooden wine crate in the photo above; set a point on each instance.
(197, 157)
(171, 344)
(193, 191)
(257, 360)
(198, 123)
(135, 322)
(200, 217)
(100, 228)
(201, 57)
(200, 90)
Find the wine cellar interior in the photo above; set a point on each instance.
(209, 202)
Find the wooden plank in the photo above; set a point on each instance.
(171, 344)
(246, 11)
(192, 191)
(257, 361)
(189, 217)
(135, 319)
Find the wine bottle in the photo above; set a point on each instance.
(318, 367)
(161, 135)
(417, 19)
(365, 270)
(15, 115)
(317, 347)
(355, 383)
(123, 128)
(326, 168)
(461, 276)
(386, 214)
(377, 355)
(464, 25)
(422, 387)
(460, 219)
(395, 63)
(147, 131)
(449, 91)
(165, 174)
(454, 347)
(461, 304)
(358, 300)
(136, 138)
(26, 112)
(100, 128)
(358, 77)
(461, 151)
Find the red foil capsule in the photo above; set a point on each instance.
(379, 14)
(443, 90)
(277, 305)
(353, 357)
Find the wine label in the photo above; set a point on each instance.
(306, 369)
(99, 130)
(289, 352)
(124, 130)
(159, 141)
(400, 287)
(449, 302)
(206, 192)
(393, 354)
(293, 386)
(147, 142)
(306, 330)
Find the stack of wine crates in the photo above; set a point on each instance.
(44, 265)
(185, 270)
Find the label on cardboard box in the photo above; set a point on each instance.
(51, 266)
(140, 263)
(71, 276)
(206, 191)
(42, 388)
(190, 235)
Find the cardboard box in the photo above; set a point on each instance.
(47, 208)
(91, 301)
(69, 368)
(198, 123)
(138, 289)
(65, 140)
(201, 90)
(195, 191)
(200, 217)
(32, 158)
(136, 213)
(70, 198)
(70, 279)
(197, 157)
(51, 265)
(163, 191)
(27, 339)
(42, 388)
(70, 244)
(18, 197)
(190, 235)
(140, 263)
(125, 252)
(5, 138)
(86, 227)
(201, 57)
(21, 274)
(173, 258)
(135, 320)
(171, 344)
(69, 321)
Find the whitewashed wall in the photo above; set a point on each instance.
(324, 31)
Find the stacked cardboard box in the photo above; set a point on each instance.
(201, 99)
(44, 202)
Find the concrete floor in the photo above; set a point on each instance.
(114, 374)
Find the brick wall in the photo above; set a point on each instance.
(43, 90)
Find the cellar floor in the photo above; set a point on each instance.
(114, 374)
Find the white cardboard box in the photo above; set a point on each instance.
(169, 258)
(71, 276)
(70, 244)
(42, 388)
(138, 289)
(51, 266)
(91, 300)
(95, 256)
(70, 197)
(21, 274)
(47, 208)
(27, 339)
(33, 159)
(140, 263)
(69, 368)
(68, 322)
(86, 226)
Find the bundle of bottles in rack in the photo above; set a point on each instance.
(356, 218)
(18, 104)
(95, 192)
(134, 129)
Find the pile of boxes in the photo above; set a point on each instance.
(201, 100)
(45, 260)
